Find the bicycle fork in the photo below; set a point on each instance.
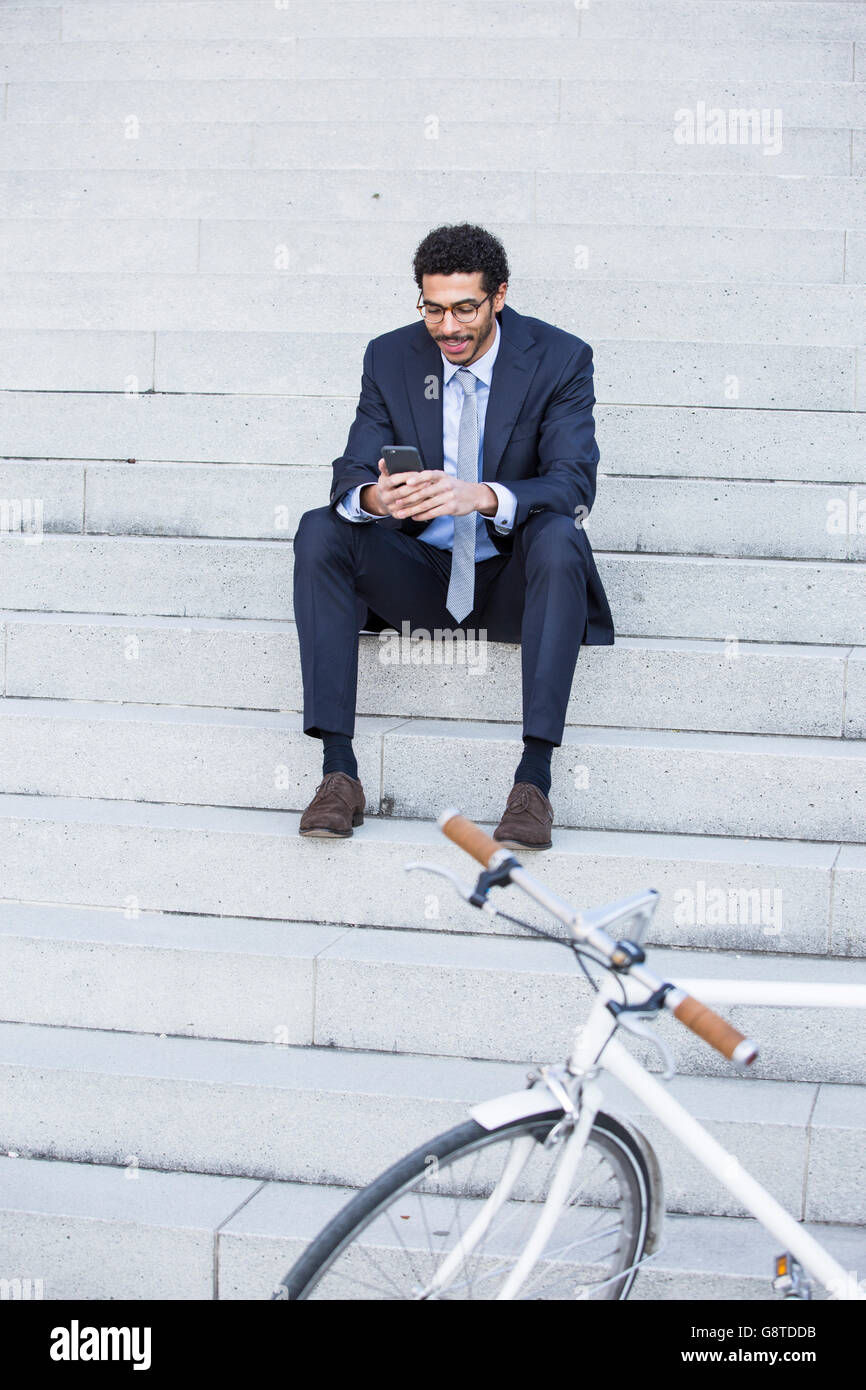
(557, 1196)
(519, 1155)
(588, 1043)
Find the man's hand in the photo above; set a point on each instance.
(426, 495)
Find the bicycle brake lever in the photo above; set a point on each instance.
(643, 1030)
(463, 888)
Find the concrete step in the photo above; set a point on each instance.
(461, 997)
(206, 757)
(138, 857)
(387, 991)
(759, 202)
(588, 250)
(674, 516)
(701, 1258)
(761, 149)
(84, 1231)
(757, 688)
(595, 251)
(662, 515)
(93, 1231)
(32, 23)
(796, 445)
(817, 105)
(651, 595)
(652, 100)
(475, 18)
(327, 1116)
(606, 779)
(795, 315)
(778, 444)
(755, 591)
(712, 784)
(41, 495)
(725, 376)
(528, 57)
(630, 19)
(857, 257)
(626, 199)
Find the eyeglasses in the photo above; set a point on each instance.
(463, 313)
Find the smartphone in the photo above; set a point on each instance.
(402, 458)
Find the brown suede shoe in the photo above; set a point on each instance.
(336, 807)
(527, 820)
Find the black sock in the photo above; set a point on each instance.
(338, 755)
(534, 766)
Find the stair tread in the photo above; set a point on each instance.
(99, 1192)
(271, 626)
(353, 1071)
(241, 1207)
(400, 726)
(450, 951)
(412, 832)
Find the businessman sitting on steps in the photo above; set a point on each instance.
(487, 537)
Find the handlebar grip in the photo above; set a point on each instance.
(715, 1030)
(468, 836)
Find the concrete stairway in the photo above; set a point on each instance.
(212, 1030)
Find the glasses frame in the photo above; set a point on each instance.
(449, 308)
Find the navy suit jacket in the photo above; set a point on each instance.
(539, 432)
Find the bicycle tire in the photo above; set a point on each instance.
(340, 1264)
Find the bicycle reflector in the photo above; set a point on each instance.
(791, 1280)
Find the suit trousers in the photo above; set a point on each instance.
(535, 594)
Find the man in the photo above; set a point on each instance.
(487, 537)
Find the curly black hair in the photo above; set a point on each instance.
(461, 249)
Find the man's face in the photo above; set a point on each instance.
(462, 342)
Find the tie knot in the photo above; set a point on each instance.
(468, 380)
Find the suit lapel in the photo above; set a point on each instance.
(423, 369)
(513, 370)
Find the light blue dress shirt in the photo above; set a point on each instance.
(440, 532)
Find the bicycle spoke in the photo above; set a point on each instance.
(459, 1221)
(397, 1233)
(365, 1250)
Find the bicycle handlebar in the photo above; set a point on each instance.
(704, 1022)
(468, 836)
(712, 1028)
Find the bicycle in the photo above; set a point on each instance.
(541, 1193)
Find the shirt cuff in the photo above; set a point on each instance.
(349, 506)
(503, 521)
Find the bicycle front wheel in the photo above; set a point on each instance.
(390, 1240)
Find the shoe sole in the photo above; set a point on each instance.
(518, 844)
(321, 833)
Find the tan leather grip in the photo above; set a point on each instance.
(468, 836)
(716, 1031)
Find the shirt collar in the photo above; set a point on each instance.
(482, 367)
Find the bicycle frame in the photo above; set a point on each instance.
(595, 1052)
(577, 1090)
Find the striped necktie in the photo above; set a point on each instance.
(461, 585)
